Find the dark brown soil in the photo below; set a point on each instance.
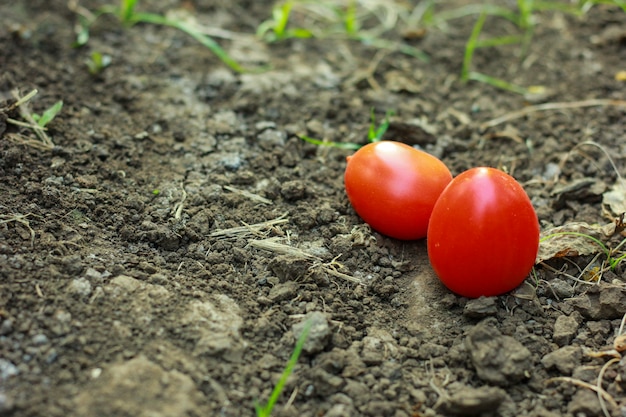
(124, 290)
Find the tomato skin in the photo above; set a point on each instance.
(393, 187)
(483, 235)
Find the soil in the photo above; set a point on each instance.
(162, 257)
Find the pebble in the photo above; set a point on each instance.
(562, 288)
(565, 359)
(40, 339)
(470, 401)
(80, 288)
(7, 369)
(319, 332)
(499, 360)
(285, 291)
(565, 328)
(602, 301)
(480, 307)
(6, 327)
(6, 404)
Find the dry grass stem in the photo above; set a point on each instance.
(551, 106)
(19, 218)
(44, 142)
(247, 194)
(273, 245)
(178, 208)
(258, 229)
(599, 385)
(606, 396)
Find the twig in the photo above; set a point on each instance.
(20, 218)
(178, 208)
(247, 194)
(246, 229)
(599, 385)
(584, 384)
(551, 106)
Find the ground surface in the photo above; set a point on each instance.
(121, 294)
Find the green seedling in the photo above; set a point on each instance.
(525, 19)
(266, 410)
(276, 29)
(126, 13)
(331, 19)
(97, 62)
(32, 120)
(50, 113)
(374, 134)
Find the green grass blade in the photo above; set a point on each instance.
(266, 411)
(339, 145)
(127, 11)
(49, 114)
(350, 20)
(205, 40)
(497, 82)
(471, 46)
(375, 134)
(281, 17)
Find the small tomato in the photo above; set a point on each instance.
(483, 234)
(393, 187)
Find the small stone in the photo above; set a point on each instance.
(285, 291)
(6, 327)
(561, 288)
(293, 190)
(565, 359)
(7, 369)
(473, 401)
(565, 328)
(271, 138)
(480, 307)
(378, 346)
(6, 404)
(40, 339)
(499, 360)
(602, 301)
(93, 276)
(138, 387)
(319, 332)
(80, 288)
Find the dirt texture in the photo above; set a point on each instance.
(162, 257)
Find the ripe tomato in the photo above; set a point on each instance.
(483, 234)
(393, 187)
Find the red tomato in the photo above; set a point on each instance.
(393, 187)
(483, 234)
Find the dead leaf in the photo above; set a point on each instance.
(614, 200)
(573, 239)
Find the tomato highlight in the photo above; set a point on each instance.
(393, 187)
(483, 234)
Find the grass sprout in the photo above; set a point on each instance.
(338, 19)
(524, 17)
(128, 16)
(34, 121)
(375, 133)
(97, 62)
(266, 410)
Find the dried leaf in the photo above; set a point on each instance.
(615, 199)
(574, 239)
